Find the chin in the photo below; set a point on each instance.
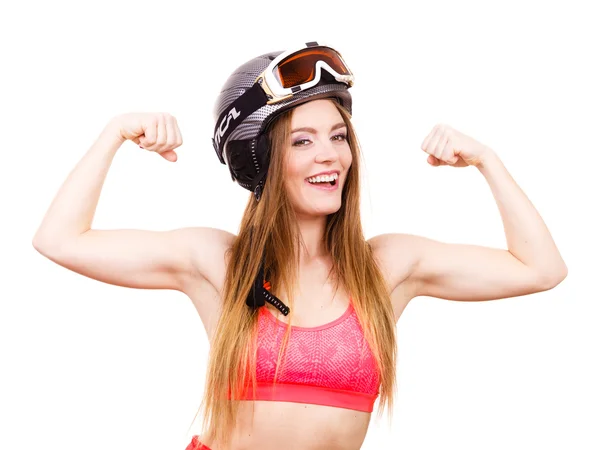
(309, 204)
(322, 210)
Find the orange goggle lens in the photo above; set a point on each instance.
(299, 67)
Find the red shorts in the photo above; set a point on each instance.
(196, 445)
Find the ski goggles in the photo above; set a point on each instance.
(289, 73)
(298, 70)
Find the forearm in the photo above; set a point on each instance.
(527, 236)
(72, 211)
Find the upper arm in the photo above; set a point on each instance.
(458, 271)
(140, 258)
(472, 272)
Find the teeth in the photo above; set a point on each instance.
(323, 178)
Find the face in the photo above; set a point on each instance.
(318, 147)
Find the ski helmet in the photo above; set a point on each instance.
(249, 102)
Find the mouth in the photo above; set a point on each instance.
(324, 185)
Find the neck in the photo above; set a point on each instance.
(312, 234)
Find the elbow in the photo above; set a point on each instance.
(43, 244)
(561, 273)
(38, 243)
(552, 278)
(42, 247)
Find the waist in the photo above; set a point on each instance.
(316, 395)
(283, 425)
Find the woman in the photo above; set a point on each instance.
(299, 308)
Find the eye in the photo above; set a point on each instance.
(300, 142)
(340, 137)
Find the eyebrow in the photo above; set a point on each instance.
(313, 131)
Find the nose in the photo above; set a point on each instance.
(326, 152)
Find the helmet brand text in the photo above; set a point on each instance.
(233, 114)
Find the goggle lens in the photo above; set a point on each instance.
(299, 67)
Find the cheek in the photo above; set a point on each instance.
(346, 157)
(297, 167)
(293, 171)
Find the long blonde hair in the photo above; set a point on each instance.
(274, 230)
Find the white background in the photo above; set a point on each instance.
(88, 365)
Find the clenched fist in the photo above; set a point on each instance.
(449, 147)
(156, 132)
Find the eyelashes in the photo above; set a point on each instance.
(342, 137)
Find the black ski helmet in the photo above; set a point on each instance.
(243, 146)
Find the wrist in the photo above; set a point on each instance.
(487, 158)
(112, 132)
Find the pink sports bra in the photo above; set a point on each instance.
(326, 365)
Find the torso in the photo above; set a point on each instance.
(285, 424)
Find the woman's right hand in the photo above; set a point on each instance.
(156, 132)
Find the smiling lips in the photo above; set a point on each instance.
(324, 186)
(326, 181)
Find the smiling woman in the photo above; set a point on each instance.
(299, 244)
(299, 307)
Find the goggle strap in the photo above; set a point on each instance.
(258, 183)
(259, 294)
(250, 101)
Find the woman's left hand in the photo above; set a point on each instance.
(449, 147)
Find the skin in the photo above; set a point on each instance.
(184, 259)
(318, 143)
